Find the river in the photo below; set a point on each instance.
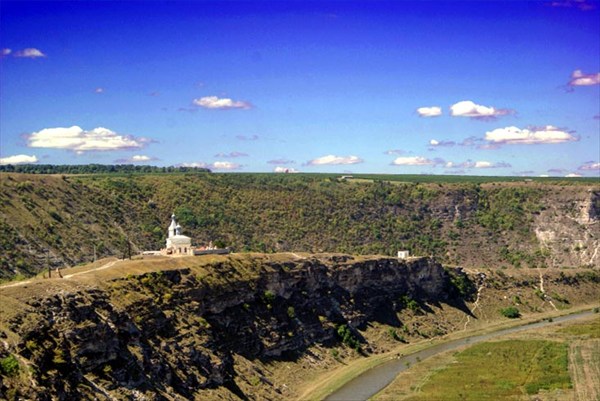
(376, 379)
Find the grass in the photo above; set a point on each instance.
(523, 365)
(587, 329)
(500, 371)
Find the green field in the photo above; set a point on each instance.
(500, 371)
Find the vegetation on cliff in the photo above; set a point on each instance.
(66, 219)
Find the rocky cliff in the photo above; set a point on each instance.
(174, 334)
(244, 326)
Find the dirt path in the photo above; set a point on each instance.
(106, 266)
(546, 297)
(479, 289)
(68, 276)
(584, 364)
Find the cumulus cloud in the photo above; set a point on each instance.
(79, 140)
(216, 103)
(18, 159)
(281, 161)
(30, 52)
(225, 166)
(573, 175)
(136, 159)
(413, 161)
(221, 165)
(99, 90)
(535, 135)
(281, 169)
(6, 52)
(476, 164)
(433, 111)
(332, 160)
(247, 137)
(578, 78)
(589, 166)
(231, 154)
(467, 108)
(194, 165)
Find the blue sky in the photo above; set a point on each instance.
(452, 87)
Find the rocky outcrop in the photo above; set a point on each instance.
(569, 228)
(175, 334)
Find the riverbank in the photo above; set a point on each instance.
(333, 381)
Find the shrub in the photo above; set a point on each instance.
(511, 312)
(9, 366)
(347, 337)
(269, 296)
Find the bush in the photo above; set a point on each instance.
(9, 366)
(511, 312)
(347, 337)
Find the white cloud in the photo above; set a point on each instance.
(413, 161)
(194, 165)
(467, 108)
(429, 111)
(136, 159)
(589, 166)
(216, 103)
(18, 159)
(99, 90)
(30, 52)
(331, 159)
(436, 143)
(281, 169)
(578, 78)
(79, 140)
(476, 164)
(6, 52)
(514, 135)
(225, 166)
(573, 175)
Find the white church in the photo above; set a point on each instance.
(177, 244)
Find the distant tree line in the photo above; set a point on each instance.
(95, 169)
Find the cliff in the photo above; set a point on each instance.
(173, 334)
(231, 327)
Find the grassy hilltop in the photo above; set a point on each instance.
(475, 221)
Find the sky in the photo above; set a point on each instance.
(427, 87)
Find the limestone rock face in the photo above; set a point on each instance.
(173, 335)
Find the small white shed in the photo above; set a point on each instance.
(403, 254)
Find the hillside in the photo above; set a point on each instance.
(251, 326)
(62, 219)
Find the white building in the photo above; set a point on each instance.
(403, 254)
(177, 244)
